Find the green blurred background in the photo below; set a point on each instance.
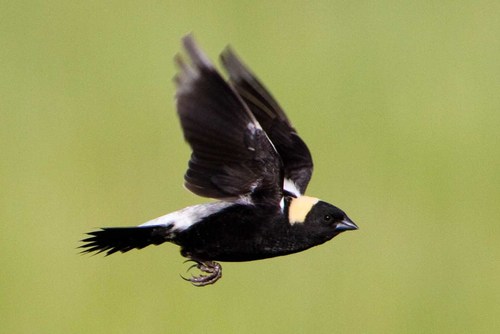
(398, 101)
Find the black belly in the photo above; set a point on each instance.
(240, 234)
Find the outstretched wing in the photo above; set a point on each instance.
(232, 156)
(297, 160)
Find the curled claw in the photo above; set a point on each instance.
(191, 267)
(212, 269)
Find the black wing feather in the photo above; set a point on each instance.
(232, 156)
(297, 160)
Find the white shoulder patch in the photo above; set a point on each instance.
(299, 208)
(291, 187)
(188, 216)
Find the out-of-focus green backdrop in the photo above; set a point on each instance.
(399, 103)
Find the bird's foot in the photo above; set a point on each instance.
(211, 272)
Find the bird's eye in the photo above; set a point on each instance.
(327, 218)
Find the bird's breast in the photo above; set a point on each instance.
(242, 234)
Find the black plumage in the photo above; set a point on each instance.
(297, 160)
(247, 155)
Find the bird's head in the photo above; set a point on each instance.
(319, 216)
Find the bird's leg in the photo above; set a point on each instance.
(212, 269)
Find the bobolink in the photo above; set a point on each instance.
(247, 155)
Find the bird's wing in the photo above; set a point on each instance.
(232, 156)
(297, 160)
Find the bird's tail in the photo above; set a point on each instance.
(123, 239)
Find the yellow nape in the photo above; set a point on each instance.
(300, 207)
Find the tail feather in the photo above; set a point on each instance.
(123, 239)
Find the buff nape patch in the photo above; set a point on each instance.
(299, 208)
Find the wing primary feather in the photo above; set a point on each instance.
(297, 159)
(232, 156)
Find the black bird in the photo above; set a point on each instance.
(247, 155)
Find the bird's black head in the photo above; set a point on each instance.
(330, 216)
(320, 217)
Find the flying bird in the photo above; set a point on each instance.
(249, 158)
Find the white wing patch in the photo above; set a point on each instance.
(291, 187)
(188, 216)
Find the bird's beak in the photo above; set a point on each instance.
(346, 225)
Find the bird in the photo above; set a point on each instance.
(248, 158)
